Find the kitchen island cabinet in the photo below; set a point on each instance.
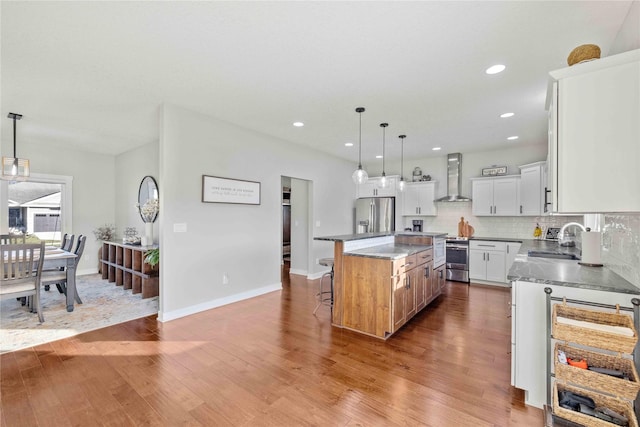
(371, 274)
(381, 295)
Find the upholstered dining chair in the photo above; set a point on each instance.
(59, 277)
(12, 239)
(20, 273)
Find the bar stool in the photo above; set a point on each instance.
(324, 296)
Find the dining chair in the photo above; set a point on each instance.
(67, 242)
(66, 245)
(59, 277)
(21, 272)
(12, 239)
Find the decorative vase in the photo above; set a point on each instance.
(147, 239)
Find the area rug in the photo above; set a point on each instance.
(104, 304)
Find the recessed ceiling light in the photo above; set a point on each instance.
(298, 124)
(378, 157)
(436, 148)
(512, 138)
(495, 69)
(348, 144)
(505, 115)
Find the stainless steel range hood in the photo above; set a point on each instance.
(454, 179)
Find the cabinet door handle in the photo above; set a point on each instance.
(408, 282)
(546, 201)
(426, 272)
(520, 209)
(507, 248)
(487, 256)
(484, 256)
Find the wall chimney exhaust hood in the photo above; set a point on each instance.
(454, 179)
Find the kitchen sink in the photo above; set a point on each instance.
(549, 254)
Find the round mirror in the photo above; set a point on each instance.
(148, 199)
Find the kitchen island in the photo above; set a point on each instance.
(382, 279)
(566, 278)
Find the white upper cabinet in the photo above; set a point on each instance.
(594, 136)
(495, 196)
(418, 199)
(532, 189)
(372, 188)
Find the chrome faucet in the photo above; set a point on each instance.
(561, 233)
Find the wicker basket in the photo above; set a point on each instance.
(620, 406)
(627, 389)
(585, 52)
(593, 337)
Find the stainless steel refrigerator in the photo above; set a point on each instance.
(375, 214)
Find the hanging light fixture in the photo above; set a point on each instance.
(402, 184)
(13, 168)
(383, 181)
(360, 175)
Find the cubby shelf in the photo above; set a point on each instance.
(124, 265)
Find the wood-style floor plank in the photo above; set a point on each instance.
(269, 361)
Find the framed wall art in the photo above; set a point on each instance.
(228, 190)
(494, 170)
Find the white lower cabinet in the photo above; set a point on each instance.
(512, 249)
(529, 332)
(487, 261)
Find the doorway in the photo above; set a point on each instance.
(295, 224)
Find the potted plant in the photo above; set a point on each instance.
(152, 257)
(104, 232)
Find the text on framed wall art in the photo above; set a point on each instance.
(228, 190)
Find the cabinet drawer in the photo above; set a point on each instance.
(487, 245)
(424, 257)
(401, 265)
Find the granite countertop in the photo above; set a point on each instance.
(349, 237)
(561, 272)
(395, 251)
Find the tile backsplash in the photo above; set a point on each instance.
(621, 245)
(620, 232)
(519, 227)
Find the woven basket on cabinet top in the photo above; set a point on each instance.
(592, 337)
(627, 389)
(585, 52)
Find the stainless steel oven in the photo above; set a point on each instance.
(458, 260)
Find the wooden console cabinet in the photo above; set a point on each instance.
(124, 265)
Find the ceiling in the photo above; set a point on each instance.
(93, 75)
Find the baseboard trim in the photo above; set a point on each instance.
(314, 276)
(86, 271)
(298, 271)
(165, 316)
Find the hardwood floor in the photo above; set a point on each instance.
(269, 361)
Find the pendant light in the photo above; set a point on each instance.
(383, 181)
(402, 184)
(360, 175)
(13, 168)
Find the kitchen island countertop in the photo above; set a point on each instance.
(561, 272)
(362, 236)
(394, 251)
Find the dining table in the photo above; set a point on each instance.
(55, 257)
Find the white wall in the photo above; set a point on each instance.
(300, 226)
(93, 189)
(242, 241)
(628, 37)
(130, 168)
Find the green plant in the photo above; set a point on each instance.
(152, 257)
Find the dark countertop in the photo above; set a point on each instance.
(560, 272)
(349, 237)
(391, 252)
